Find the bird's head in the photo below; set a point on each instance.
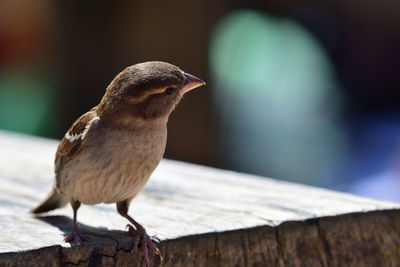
(148, 90)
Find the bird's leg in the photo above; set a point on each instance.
(139, 233)
(75, 233)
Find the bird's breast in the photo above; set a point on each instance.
(114, 165)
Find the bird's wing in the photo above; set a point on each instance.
(74, 139)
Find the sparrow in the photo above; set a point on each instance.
(109, 152)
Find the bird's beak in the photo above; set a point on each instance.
(191, 83)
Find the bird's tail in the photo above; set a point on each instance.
(53, 201)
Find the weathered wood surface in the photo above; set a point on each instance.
(202, 216)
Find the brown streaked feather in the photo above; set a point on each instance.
(66, 149)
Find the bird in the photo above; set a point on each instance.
(109, 153)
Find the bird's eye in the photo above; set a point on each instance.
(170, 90)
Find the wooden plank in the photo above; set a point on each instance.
(202, 216)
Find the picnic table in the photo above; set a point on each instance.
(201, 216)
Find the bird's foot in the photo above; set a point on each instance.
(146, 242)
(76, 236)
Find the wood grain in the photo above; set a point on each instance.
(202, 216)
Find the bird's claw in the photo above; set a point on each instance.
(141, 236)
(76, 236)
(158, 240)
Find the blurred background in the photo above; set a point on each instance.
(304, 91)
